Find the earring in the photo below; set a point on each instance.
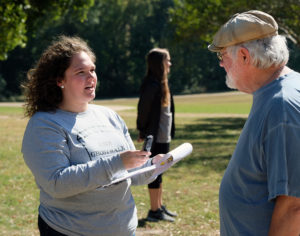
(62, 86)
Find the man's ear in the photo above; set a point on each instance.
(244, 55)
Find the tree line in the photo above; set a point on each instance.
(121, 32)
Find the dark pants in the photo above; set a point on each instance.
(158, 148)
(46, 230)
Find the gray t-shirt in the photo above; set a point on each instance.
(266, 161)
(72, 155)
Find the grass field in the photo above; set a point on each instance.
(210, 122)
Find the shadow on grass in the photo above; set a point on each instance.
(211, 128)
(213, 141)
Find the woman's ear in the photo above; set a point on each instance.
(60, 83)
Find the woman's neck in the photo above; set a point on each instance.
(76, 108)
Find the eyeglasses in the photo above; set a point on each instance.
(220, 55)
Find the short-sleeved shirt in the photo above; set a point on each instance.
(266, 161)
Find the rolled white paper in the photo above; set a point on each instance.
(172, 157)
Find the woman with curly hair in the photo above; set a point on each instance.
(76, 149)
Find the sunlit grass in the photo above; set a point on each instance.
(220, 103)
(18, 193)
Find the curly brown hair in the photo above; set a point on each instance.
(41, 90)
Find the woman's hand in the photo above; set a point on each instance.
(157, 158)
(133, 159)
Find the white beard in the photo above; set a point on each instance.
(230, 82)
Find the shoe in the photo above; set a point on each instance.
(159, 214)
(170, 213)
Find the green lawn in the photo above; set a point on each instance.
(211, 123)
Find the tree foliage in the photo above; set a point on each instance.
(12, 25)
(18, 17)
(199, 20)
(121, 32)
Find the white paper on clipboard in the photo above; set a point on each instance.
(165, 163)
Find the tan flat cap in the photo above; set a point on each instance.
(243, 27)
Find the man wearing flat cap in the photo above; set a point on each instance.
(260, 190)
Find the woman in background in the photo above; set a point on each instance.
(156, 117)
(75, 149)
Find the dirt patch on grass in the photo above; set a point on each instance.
(20, 104)
(11, 104)
(211, 115)
(149, 232)
(4, 117)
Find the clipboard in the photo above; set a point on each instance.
(164, 164)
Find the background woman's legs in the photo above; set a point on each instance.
(157, 210)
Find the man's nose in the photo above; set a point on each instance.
(221, 64)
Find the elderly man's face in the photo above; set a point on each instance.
(238, 70)
(228, 64)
